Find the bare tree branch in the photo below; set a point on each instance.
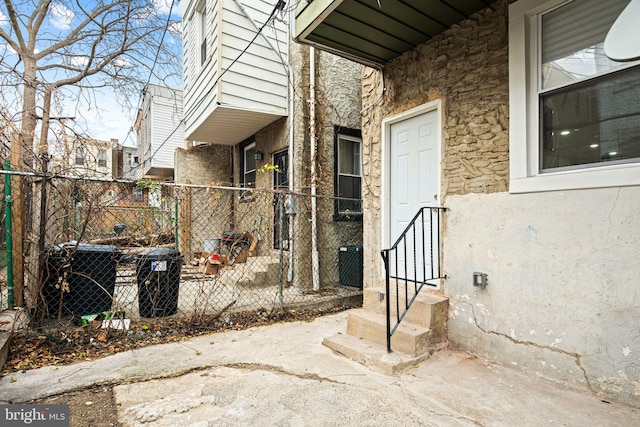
(114, 43)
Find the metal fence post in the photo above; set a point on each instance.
(175, 224)
(280, 244)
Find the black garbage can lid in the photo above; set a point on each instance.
(157, 253)
(85, 248)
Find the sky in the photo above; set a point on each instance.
(101, 114)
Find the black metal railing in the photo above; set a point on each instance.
(413, 260)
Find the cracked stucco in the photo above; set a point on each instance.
(562, 300)
(562, 296)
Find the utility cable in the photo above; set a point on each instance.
(153, 66)
(279, 5)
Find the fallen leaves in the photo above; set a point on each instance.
(64, 345)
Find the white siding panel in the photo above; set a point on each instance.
(193, 34)
(251, 98)
(257, 81)
(186, 52)
(202, 93)
(166, 133)
(269, 81)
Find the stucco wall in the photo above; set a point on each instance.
(339, 101)
(562, 300)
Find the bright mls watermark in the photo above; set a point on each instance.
(34, 415)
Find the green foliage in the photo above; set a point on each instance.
(148, 183)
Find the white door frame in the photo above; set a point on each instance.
(386, 160)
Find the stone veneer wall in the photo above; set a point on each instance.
(338, 91)
(466, 67)
(562, 265)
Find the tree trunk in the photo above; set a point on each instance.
(23, 157)
(29, 113)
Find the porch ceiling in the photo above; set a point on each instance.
(227, 125)
(375, 32)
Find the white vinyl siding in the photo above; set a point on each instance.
(187, 68)
(161, 128)
(259, 68)
(257, 81)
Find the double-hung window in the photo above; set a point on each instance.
(138, 194)
(248, 176)
(575, 113)
(80, 156)
(202, 32)
(348, 176)
(102, 158)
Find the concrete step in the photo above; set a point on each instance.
(261, 271)
(372, 354)
(429, 309)
(409, 339)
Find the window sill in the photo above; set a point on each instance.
(602, 177)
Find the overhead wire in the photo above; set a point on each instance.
(278, 6)
(215, 83)
(280, 56)
(153, 66)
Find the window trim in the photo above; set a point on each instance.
(201, 13)
(350, 134)
(244, 165)
(80, 156)
(102, 158)
(242, 147)
(524, 121)
(275, 174)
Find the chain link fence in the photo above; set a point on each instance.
(77, 250)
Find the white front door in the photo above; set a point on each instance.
(413, 183)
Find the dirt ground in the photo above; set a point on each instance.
(94, 407)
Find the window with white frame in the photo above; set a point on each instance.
(348, 174)
(202, 32)
(102, 158)
(575, 113)
(80, 155)
(249, 165)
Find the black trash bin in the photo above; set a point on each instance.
(90, 273)
(158, 272)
